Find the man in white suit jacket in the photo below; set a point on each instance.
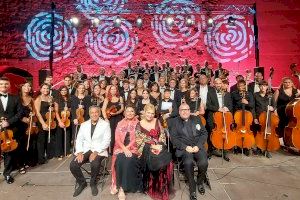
(92, 142)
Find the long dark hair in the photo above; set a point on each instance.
(20, 90)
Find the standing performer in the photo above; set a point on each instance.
(11, 111)
(216, 102)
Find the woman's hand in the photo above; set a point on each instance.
(75, 121)
(127, 153)
(61, 124)
(45, 127)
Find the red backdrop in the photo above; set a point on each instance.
(278, 26)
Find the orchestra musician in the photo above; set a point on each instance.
(220, 100)
(11, 110)
(254, 86)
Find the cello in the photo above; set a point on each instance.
(292, 130)
(8, 143)
(243, 120)
(222, 136)
(267, 139)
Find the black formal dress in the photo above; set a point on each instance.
(282, 101)
(185, 133)
(13, 114)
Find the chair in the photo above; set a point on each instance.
(103, 173)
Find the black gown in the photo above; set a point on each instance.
(128, 174)
(42, 139)
(114, 120)
(60, 132)
(283, 100)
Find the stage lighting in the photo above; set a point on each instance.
(139, 21)
(189, 21)
(117, 21)
(170, 20)
(231, 21)
(74, 20)
(95, 21)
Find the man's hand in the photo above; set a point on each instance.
(226, 109)
(189, 149)
(93, 156)
(256, 121)
(221, 110)
(195, 149)
(271, 108)
(79, 157)
(4, 124)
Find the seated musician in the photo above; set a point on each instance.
(11, 111)
(216, 102)
(166, 106)
(189, 136)
(241, 97)
(261, 99)
(91, 146)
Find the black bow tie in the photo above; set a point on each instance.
(3, 95)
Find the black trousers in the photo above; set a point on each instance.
(9, 159)
(201, 161)
(46, 150)
(60, 141)
(95, 168)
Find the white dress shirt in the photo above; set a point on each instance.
(220, 99)
(172, 93)
(203, 94)
(100, 140)
(256, 87)
(4, 101)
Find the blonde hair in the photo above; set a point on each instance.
(149, 107)
(287, 78)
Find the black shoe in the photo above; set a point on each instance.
(268, 155)
(193, 196)
(9, 179)
(201, 189)
(94, 190)
(209, 155)
(226, 158)
(247, 152)
(216, 153)
(79, 189)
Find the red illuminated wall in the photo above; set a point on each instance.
(279, 43)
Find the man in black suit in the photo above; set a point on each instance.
(11, 111)
(102, 76)
(217, 100)
(80, 76)
(49, 80)
(253, 87)
(188, 135)
(68, 83)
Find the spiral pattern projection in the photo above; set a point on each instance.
(110, 45)
(180, 35)
(37, 36)
(230, 43)
(99, 8)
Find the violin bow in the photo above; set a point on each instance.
(50, 115)
(29, 131)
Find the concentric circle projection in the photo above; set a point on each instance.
(99, 8)
(110, 45)
(230, 42)
(37, 36)
(180, 35)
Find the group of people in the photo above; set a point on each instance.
(132, 117)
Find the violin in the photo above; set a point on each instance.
(50, 116)
(111, 110)
(8, 143)
(80, 113)
(292, 130)
(65, 116)
(222, 136)
(32, 125)
(267, 139)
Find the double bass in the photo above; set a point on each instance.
(243, 120)
(8, 143)
(267, 139)
(292, 130)
(222, 136)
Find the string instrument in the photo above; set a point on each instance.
(32, 125)
(243, 120)
(111, 110)
(65, 116)
(80, 113)
(292, 130)
(222, 136)
(8, 143)
(267, 139)
(50, 118)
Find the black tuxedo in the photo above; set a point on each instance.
(237, 104)
(251, 87)
(13, 114)
(212, 105)
(187, 133)
(233, 88)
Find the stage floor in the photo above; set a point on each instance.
(244, 178)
